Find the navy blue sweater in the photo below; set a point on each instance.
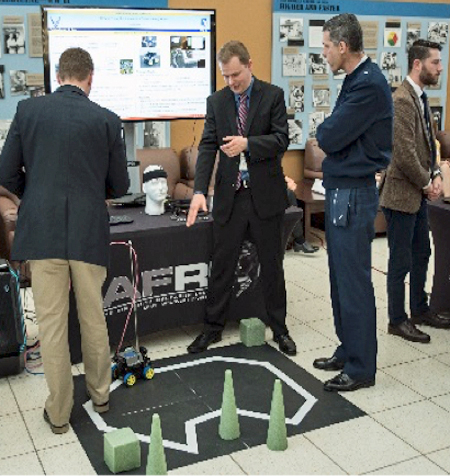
(357, 137)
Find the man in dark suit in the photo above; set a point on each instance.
(247, 123)
(412, 178)
(357, 140)
(64, 156)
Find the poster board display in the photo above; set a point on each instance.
(389, 28)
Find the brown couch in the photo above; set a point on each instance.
(313, 202)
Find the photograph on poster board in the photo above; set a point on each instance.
(394, 77)
(2, 81)
(315, 119)
(35, 84)
(392, 34)
(321, 96)
(155, 135)
(14, 39)
(315, 33)
(438, 32)
(18, 81)
(412, 34)
(295, 131)
(388, 60)
(296, 96)
(5, 124)
(370, 33)
(294, 62)
(291, 31)
(317, 64)
(437, 116)
(34, 35)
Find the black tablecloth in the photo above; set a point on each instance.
(173, 265)
(439, 218)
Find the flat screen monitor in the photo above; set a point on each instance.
(148, 64)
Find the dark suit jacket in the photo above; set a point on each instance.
(409, 171)
(63, 156)
(267, 134)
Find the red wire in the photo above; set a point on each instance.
(136, 282)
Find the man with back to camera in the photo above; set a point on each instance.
(357, 140)
(412, 178)
(63, 157)
(247, 123)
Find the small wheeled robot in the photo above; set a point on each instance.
(131, 365)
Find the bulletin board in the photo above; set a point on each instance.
(389, 28)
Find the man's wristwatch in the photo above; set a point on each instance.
(435, 173)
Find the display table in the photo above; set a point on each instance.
(439, 218)
(173, 266)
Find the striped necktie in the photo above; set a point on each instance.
(241, 123)
(242, 114)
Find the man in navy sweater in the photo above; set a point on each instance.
(357, 139)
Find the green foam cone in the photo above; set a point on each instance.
(156, 462)
(229, 422)
(277, 434)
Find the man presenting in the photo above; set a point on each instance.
(357, 140)
(247, 123)
(63, 157)
(411, 179)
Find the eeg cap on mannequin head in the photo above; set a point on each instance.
(155, 187)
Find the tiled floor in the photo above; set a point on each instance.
(406, 430)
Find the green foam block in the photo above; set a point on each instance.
(122, 450)
(253, 332)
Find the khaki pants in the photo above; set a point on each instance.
(50, 283)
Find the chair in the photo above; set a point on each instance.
(167, 158)
(8, 218)
(188, 161)
(312, 202)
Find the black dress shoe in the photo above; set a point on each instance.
(204, 340)
(286, 344)
(331, 363)
(304, 247)
(408, 331)
(431, 319)
(343, 383)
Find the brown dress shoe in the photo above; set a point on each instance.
(431, 319)
(58, 430)
(408, 331)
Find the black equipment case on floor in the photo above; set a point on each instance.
(12, 338)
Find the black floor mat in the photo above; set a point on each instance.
(186, 392)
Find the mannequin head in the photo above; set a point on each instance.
(155, 187)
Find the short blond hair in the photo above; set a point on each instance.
(75, 63)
